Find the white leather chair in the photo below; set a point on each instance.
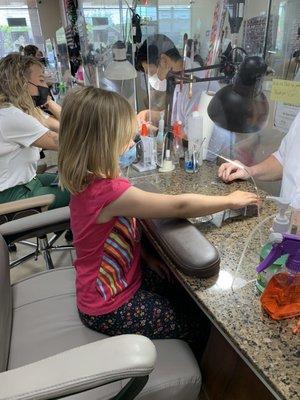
(46, 352)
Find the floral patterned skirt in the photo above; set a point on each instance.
(157, 310)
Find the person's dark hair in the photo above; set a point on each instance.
(30, 50)
(153, 47)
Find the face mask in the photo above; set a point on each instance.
(42, 60)
(157, 84)
(42, 97)
(128, 157)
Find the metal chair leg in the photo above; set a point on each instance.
(43, 247)
(45, 250)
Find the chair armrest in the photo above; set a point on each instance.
(25, 204)
(36, 225)
(80, 369)
(181, 244)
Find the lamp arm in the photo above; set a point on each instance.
(171, 84)
(184, 79)
(209, 79)
(192, 70)
(205, 68)
(196, 79)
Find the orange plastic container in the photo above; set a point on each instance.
(281, 298)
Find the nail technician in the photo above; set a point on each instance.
(157, 57)
(283, 164)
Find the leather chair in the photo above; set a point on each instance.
(46, 352)
(21, 225)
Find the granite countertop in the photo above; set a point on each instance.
(269, 347)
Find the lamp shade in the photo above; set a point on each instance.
(120, 68)
(242, 106)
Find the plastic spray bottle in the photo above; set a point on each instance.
(280, 225)
(281, 298)
(177, 142)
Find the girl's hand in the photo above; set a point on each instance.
(239, 199)
(229, 172)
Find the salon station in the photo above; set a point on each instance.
(150, 199)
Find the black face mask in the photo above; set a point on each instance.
(43, 60)
(42, 97)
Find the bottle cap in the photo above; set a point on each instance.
(281, 221)
(144, 130)
(177, 129)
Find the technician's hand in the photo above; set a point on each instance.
(239, 199)
(229, 172)
(143, 116)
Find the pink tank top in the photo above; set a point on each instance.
(107, 255)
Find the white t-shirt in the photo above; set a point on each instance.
(288, 155)
(183, 106)
(18, 160)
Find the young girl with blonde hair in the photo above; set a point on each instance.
(113, 295)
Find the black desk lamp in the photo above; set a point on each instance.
(239, 107)
(242, 106)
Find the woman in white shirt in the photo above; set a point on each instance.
(24, 130)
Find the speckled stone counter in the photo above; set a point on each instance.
(268, 347)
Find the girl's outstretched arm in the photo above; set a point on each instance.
(140, 204)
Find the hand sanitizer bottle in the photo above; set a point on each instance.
(281, 224)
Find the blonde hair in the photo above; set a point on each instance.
(96, 126)
(14, 75)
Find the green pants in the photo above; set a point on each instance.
(38, 186)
